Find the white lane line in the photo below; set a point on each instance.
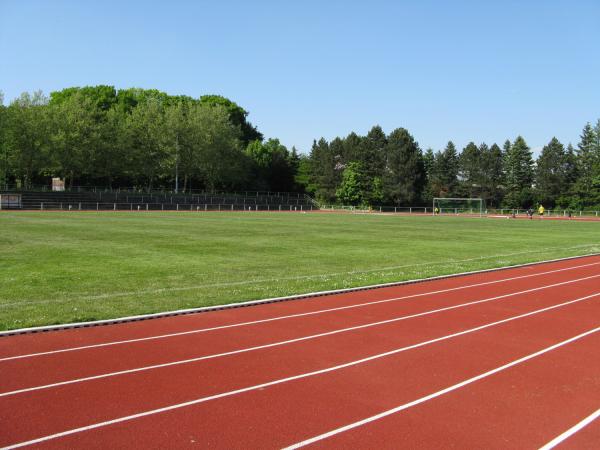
(300, 339)
(437, 394)
(301, 376)
(571, 431)
(291, 316)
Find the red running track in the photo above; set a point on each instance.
(499, 359)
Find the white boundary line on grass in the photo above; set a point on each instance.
(306, 338)
(294, 278)
(139, 317)
(291, 316)
(314, 373)
(571, 431)
(438, 393)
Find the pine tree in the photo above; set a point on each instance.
(404, 178)
(428, 164)
(551, 173)
(585, 161)
(322, 170)
(519, 174)
(373, 152)
(470, 171)
(596, 149)
(444, 173)
(493, 163)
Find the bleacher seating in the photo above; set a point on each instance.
(79, 199)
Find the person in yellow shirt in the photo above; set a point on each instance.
(541, 211)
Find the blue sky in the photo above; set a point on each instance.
(460, 70)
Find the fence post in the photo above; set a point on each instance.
(79, 206)
(279, 207)
(205, 207)
(177, 206)
(114, 206)
(146, 206)
(42, 206)
(232, 206)
(97, 208)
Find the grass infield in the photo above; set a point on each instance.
(70, 267)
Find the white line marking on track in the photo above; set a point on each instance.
(290, 316)
(318, 372)
(571, 431)
(306, 338)
(438, 393)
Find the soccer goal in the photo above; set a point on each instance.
(458, 206)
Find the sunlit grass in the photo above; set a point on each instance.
(65, 267)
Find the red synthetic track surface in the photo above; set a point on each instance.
(493, 360)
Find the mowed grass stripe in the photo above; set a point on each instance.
(67, 267)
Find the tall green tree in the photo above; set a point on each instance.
(373, 152)
(238, 116)
(519, 174)
(470, 171)
(404, 177)
(493, 174)
(443, 179)
(220, 158)
(4, 169)
(352, 189)
(28, 137)
(146, 132)
(551, 173)
(428, 165)
(273, 165)
(100, 97)
(75, 137)
(323, 171)
(112, 159)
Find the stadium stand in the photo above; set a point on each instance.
(124, 200)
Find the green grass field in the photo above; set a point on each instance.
(66, 267)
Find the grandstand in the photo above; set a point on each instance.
(86, 199)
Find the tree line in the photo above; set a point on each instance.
(391, 169)
(138, 137)
(145, 138)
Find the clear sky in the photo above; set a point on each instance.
(460, 70)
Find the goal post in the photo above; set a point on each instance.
(457, 206)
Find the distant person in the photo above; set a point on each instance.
(530, 213)
(541, 211)
(436, 211)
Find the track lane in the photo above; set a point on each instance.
(47, 411)
(40, 342)
(282, 414)
(523, 407)
(60, 367)
(586, 437)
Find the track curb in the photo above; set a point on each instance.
(205, 309)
